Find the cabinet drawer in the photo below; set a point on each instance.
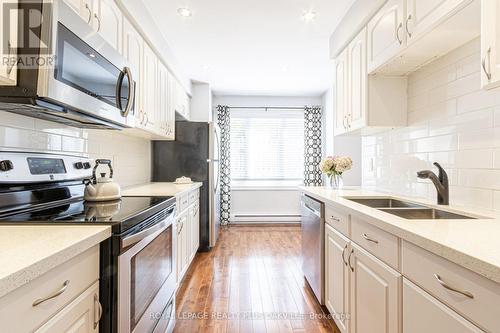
(194, 196)
(338, 219)
(18, 314)
(444, 319)
(182, 203)
(425, 269)
(381, 244)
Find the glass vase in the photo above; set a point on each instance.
(336, 182)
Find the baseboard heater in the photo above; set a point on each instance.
(265, 218)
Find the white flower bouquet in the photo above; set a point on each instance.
(335, 165)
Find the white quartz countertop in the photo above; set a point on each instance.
(159, 189)
(473, 244)
(27, 252)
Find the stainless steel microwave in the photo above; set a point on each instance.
(80, 80)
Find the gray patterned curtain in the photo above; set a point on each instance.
(312, 146)
(224, 121)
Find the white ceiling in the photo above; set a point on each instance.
(251, 47)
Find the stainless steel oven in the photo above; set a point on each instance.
(82, 82)
(146, 278)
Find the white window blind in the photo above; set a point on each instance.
(267, 145)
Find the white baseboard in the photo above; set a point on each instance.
(264, 218)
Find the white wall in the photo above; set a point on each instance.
(451, 121)
(344, 145)
(131, 156)
(267, 201)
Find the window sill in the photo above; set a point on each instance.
(265, 185)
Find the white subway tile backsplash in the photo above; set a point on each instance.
(131, 156)
(451, 120)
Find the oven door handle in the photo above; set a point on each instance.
(135, 238)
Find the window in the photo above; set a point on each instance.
(267, 145)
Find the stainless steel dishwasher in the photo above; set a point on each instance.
(312, 221)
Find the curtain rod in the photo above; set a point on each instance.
(269, 107)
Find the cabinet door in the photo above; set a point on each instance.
(180, 241)
(8, 43)
(490, 45)
(386, 34)
(82, 8)
(162, 97)
(132, 52)
(195, 228)
(171, 107)
(108, 20)
(80, 316)
(341, 92)
(375, 294)
(337, 277)
(186, 241)
(357, 82)
(149, 101)
(423, 15)
(432, 315)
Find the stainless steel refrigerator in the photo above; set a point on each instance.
(195, 154)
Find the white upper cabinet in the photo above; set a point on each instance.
(337, 276)
(149, 101)
(386, 34)
(490, 44)
(423, 15)
(82, 8)
(108, 21)
(357, 82)
(341, 93)
(133, 52)
(8, 44)
(406, 34)
(165, 116)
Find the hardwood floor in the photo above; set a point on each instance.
(250, 282)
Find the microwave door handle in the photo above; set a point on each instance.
(131, 91)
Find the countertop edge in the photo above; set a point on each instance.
(463, 259)
(29, 273)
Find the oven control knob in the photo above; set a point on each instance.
(6, 165)
(87, 165)
(78, 165)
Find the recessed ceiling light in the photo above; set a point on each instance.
(205, 67)
(184, 12)
(285, 68)
(309, 16)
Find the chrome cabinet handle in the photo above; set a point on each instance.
(343, 251)
(344, 122)
(400, 26)
(349, 120)
(487, 72)
(90, 13)
(406, 26)
(98, 22)
(53, 295)
(446, 286)
(365, 236)
(99, 311)
(349, 260)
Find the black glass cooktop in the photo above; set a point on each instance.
(123, 213)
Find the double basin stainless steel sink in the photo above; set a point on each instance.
(409, 210)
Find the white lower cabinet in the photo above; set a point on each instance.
(64, 299)
(337, 277)
(188, 231)
(375, 294)
(424, 313)
(80, 316)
